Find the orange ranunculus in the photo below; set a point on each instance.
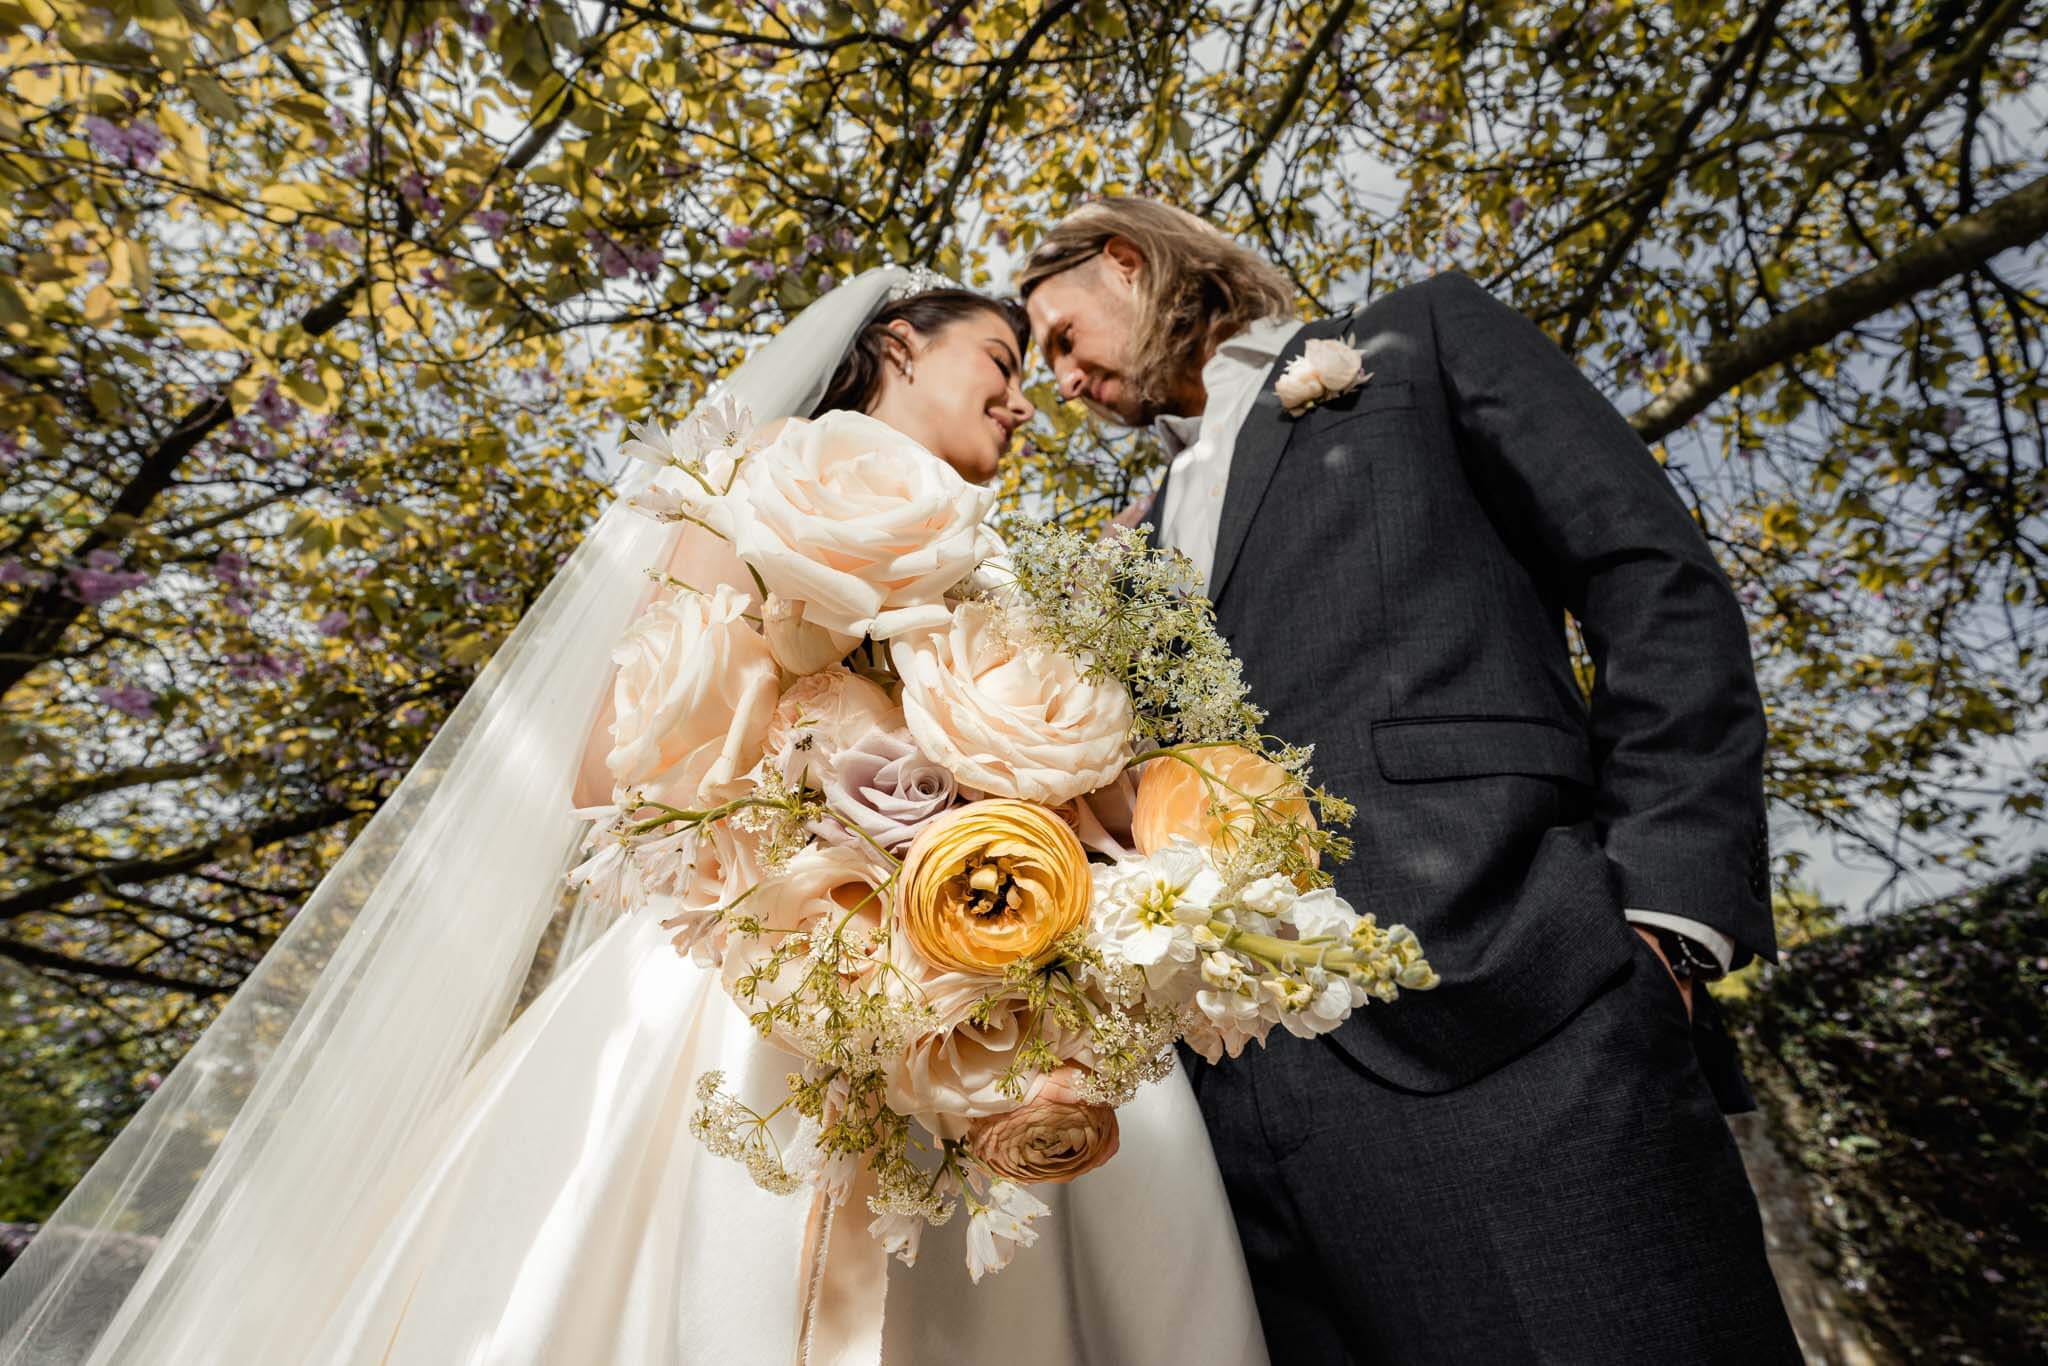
(1175, 799)
(991, 883)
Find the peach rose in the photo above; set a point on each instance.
(1055, 1135)
(692, 697)
(952, 1074)
(822, 887)
(851, 518)
(1008, 719)
(821, 714)
(800, 647)
(991, 883)
(1174, 799)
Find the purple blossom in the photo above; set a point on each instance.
(14, 571)
(479, 24)
(231, 567)
(273, 407)
(494, 222)
(102, 580)
(413, 188)
(264, 668)
(1951, 421)
(814, 243)
(612, 261)
(762, 269)
(136, 145)
(739, 235)
(480, 594)
(129, 699)
(1518, 209)
(357, 162)
(333, 624)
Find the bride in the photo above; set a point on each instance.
(375, 1155)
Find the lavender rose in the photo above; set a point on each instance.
(885, 785)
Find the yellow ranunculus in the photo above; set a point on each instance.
(1174, 799)
(992, 883)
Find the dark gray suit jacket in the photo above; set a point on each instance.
(1394, 569)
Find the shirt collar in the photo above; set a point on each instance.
(1255, 348)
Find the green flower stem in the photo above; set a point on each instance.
(694, 818)
(894, 862)
(1291, 955)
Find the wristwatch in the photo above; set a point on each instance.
(1689, 959)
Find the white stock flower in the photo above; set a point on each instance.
(852, 518)
(695, 687)
(1146, 911)
(1269, 896)
(1322, 914)
(1007, 719)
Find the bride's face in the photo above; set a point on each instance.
(962, 398)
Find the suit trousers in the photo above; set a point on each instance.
(1582, 1204)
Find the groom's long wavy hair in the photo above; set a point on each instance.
(1197, 288)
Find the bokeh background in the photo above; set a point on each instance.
(320, 322)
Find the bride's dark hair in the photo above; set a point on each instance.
(858, 380)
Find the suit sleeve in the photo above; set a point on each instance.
(1676, 723)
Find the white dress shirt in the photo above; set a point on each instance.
(1200, 448)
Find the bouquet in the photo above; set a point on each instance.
(974, 827)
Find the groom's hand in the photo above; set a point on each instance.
(1684, 986)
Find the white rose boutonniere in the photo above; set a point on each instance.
(1323, 370)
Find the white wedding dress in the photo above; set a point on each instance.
(359, 1163)
(561, 1212)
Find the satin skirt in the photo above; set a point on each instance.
(561, 1212)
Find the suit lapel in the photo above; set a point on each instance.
(1261, 442)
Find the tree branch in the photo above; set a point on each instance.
(1963, 245)
(60, 795)
(132, 872)
(29, 955)
(1283, 108)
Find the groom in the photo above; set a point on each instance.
(1528, 1163)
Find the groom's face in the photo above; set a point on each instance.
(1085, 319)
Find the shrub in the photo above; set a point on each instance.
(1904, 1064)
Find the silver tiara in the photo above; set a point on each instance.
(921, 280)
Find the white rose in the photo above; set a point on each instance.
(1323, 370)
(800, 646)
(1337, 367)
(1298, 389)
(1010, 720)
(851, 518)
(691, 701)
